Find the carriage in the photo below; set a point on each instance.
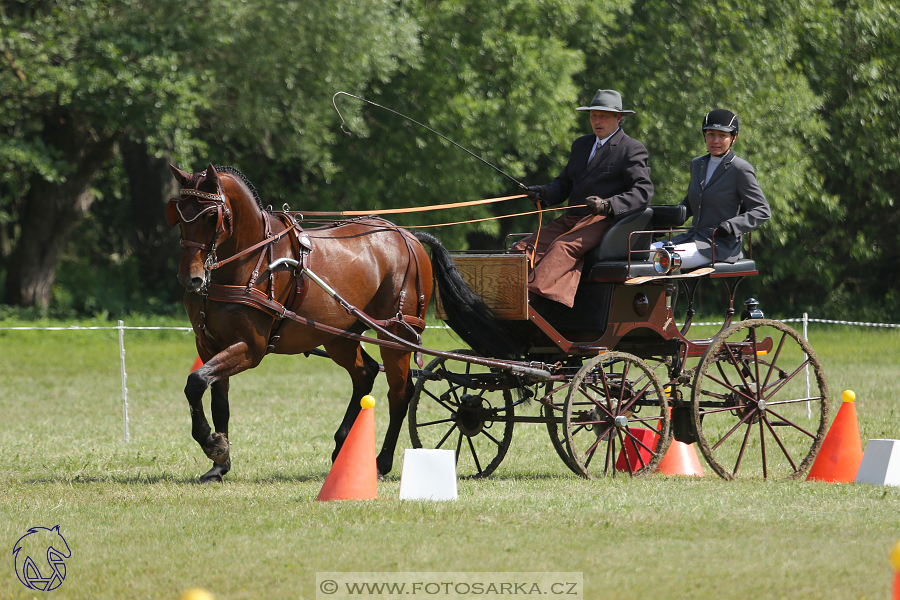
(614, 379)
(624, 379)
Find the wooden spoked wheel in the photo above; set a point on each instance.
(616, 417)
(451, 410)
(552, 407)
(759, 402)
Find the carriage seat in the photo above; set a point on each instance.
(743, 266)
(609, 260)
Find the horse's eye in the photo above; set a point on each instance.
(212, 218)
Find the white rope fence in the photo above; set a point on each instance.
(121, 328)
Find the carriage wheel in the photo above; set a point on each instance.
(554, 392)
(616, 417)
(475, 423)
(759, 402)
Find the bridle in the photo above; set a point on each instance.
(217, 203)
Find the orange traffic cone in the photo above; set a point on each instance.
(841, 452)
(895, 561)
(354, 475)
(633, 454)
(197, 364)
(681, 459)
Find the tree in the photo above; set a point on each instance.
(496, 77)
(274, 66)
(81, 75)
(679, 59)
(849, 55)
(166, 78)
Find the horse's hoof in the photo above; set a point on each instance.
(217, 448)
(215, 474)
(211, 477)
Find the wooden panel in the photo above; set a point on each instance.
(498, 279)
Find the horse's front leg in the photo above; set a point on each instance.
(215, 445)
(220, 414)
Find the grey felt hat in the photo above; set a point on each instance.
(609, 100)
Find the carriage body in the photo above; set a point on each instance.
(628, 379)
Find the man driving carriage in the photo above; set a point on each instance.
(606, 178)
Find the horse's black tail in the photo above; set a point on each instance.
(467, 314)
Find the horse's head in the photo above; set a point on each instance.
(206, 219)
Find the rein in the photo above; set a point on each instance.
(399, 211)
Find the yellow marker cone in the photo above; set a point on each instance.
(196, 594)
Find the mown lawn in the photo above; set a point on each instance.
(140, 527)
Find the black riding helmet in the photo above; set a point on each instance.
(721, 120)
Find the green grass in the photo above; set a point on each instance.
(140, 527)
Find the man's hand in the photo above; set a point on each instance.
(535, 193)
(723, 230)
(598, 206)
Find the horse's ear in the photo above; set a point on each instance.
(180, 176)
(211, 182)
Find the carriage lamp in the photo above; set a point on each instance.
(666, 260)
(752, 310)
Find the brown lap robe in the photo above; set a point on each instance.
(558, 255)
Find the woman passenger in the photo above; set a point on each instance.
(723, 197)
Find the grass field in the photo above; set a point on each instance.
(139, 526)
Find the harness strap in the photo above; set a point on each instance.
(262, 256)
(223, 293)
(300, 248)
(257, 299)
(270, 240)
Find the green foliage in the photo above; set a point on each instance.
(273, 67)
(496, 77)
(849, 56)
(250, 84)
(114, 65)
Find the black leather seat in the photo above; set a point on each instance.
(743, 266)
(609, 260)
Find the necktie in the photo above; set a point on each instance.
(595, 155)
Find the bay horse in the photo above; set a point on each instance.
(241, 266)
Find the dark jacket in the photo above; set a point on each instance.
(620, 174)
(732, 199)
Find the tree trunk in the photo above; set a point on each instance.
(155, 243)
(51, 210)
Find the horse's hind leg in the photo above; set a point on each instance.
(362, 369)
(400, 390)
(220, 414)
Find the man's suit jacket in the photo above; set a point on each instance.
(732, 198)
(619, 174)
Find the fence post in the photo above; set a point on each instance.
(806, 368)
(121, 329)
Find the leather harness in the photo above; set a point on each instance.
(301, 249)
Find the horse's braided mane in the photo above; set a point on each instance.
(243, 178)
